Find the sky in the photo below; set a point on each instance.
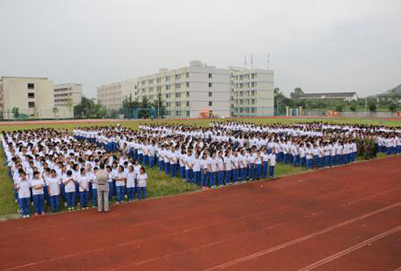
(318, 45)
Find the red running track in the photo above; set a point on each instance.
(345, 218)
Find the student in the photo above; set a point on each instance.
(309, 157)
(142, 183)
(131, 177)
(83, 182)
(228, 167)
(93, 185)
(204, 163)
(197, 168)
(189, 163)
(265, 163)
(258, 164)
(37, 185)
(235, 166)
(120, 178)
(272, 163)
(182, 159)
(110, 182)
(69, 186)
(24, 194)
(213, 170)
(53, 184)
(220, 168)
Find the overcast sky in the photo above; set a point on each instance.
(318, 45)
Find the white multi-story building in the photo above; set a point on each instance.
(189, 91)
(66, 96)
(252, 92)
(111, 96)
(31, 97)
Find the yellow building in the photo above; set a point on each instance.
(32, 97)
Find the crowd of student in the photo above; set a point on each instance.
(54, 165)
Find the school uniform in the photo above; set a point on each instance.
(53, 185)
(83, 182)
(197, 170)
(69, 187)
(24, 195)
(272, 164)
(131, 176)
(38, 196)
(258, 166)
(120, 185)
(204, 172)
(228, 169)
(265, 165)
(142, 183)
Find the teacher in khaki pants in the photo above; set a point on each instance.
(102, 190)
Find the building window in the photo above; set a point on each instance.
(187, 74)
(178, 104)
(168, 87)
(187, 104)
(210, 75)
(187, 84)
(188, 114)
(31, 95)
(178, 113)
(187, 94)
(159, 80)
(210, 94)
(168, 95)
(178, 95)
(31, 86)
(178, 76)
(31, 104)
(210, 103)
(178, 85)
(168, 104)
(168, 78)
(210, 85)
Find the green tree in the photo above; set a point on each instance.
(55, 112)
(88, 109)
(296, 93)
(144, 108)
(15, 112)
(339, 108)
(160, 107)
(392, 107)
(372, 106)
(353, 107)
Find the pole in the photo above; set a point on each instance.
(365, 107)
(158, 107)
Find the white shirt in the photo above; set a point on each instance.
(131, 179)
(35, 182)
(83, 181)
(120, 175)
(142, 180)
(53, 186)
(272, 159)
(23, 189)
(70, 186)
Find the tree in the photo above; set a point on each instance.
(296, 93)
(392, 107)
(372, 107)
(15, 112)
(55, 112)
(159, 106)
(353, 108)
(89, 109)
(339, 108)
(144, 108)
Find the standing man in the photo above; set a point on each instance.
(102, 190)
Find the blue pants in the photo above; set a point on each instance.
(141, 192)
(265, 169)
(258, 171)
(182, 172)
(197, 177)
(308, 164)
(38, 203)
(228, 177)
(203, 178)
(111, 190)
(140, 158)
(189, 175)
(315, 161)
(120, 193)
(70, 196)
(131, 193)
(24, 205)
(251, 171)
(220, 177)
(212, 178)
(94, 197)
(151, 161)
(235, 175)
(271, 172)
(161, 165)
(54, 203)
(84, 197)
(294, 160)
(301, 162)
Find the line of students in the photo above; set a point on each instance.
(49, 167)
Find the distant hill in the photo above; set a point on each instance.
(397, 90)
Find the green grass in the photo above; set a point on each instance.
(159, 184)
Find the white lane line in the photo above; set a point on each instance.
(351, 249)
(301, 239)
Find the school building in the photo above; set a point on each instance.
(189, 91)
(252, 92)
(66, 97)
(112, 95)
(26, 97)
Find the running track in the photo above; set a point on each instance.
(346, 218)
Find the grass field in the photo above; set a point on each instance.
(159, 184)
